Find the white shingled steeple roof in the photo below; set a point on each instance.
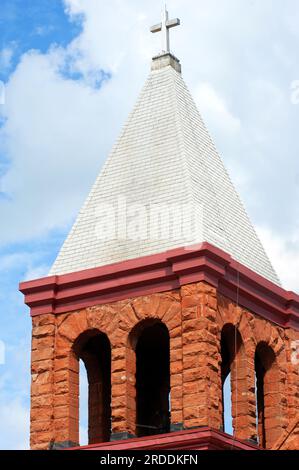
(164, 157)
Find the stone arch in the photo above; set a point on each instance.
(145, 311)
(255, 330)
(72, 332)
(268, 395)
(274, 338)
(231, 347)
(234, 361)
(94, 349)
(242, 378)
(150, 341)
(264, 332)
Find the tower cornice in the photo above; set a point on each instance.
(163, 272)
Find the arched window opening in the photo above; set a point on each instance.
(265, 382)
(231, 342)
(152, 380)
(227, 406)
(83, 404)
(93, 348)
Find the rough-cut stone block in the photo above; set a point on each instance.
(194, 315)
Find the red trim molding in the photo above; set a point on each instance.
(163, 272)
(196, 439)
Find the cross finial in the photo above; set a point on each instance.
(164, 27)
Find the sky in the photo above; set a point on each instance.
(70, 72)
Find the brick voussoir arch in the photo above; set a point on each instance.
(275, 389)
(71, 329)
(164, 308)
(265, 332)
(242, 368)
(116, 321)
(252, 328)
(254, 332)
(271, 391)
(242, 320)
(270, 338)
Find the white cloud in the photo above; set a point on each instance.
(57, 126)
(27, 262)
(284, 254)
(36, 272)
(10, 261)
(43, 30)
(14, 396)
(215, 110)
(14, 425)
(59, 131)
(114, 33)
(6, 56)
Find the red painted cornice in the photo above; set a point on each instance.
(163, 272)
(196, 439)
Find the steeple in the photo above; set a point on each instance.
(164, 158)
(170, 309)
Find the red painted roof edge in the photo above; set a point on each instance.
(163, 272)
(192, 439)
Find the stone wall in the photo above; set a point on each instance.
(195, 316)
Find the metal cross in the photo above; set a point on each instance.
(164, 27)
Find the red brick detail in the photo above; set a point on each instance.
(289, 439)
(242, 378)
(194, 315)
(42, 382)
(201, 357)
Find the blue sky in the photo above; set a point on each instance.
(72, 70)
(24, 25)
(33, 24)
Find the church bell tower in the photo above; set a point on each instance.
(164, 291)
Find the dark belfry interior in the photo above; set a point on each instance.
(95, 351)
(153, 381)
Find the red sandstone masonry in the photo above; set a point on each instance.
(42, 381)
(201, 357)
(194, 315)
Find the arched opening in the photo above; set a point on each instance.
(267, 398)
(93, 348)
(152, 378)
(227, 406)
(83, 404)
(231, 344)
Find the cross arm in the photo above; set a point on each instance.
(156, 28)
(172, 23)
